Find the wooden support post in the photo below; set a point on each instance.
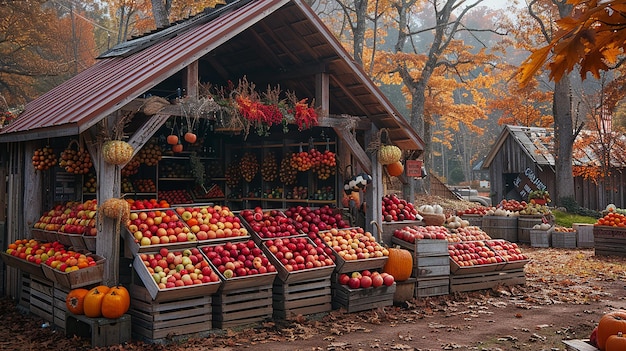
(374, 194)
(190, 80)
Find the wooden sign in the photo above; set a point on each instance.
(413, 168)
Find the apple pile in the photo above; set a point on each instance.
(353, 244)
(507, 250)
(68, 260)
(158, 227)
(34, 251)
(413, 233)
(176, 196)
(478, 210)
(298, 253)
(472, 253)
(211, 222)
(268, 224)
(396, 209)
(469, 233)
(512, 205)
(312, 221)
(55, 218)
(562, 229)
(146, 204)
(366, 279)
(81, 219)
(170, 269)
(238, 259)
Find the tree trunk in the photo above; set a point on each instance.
(564, 136)
(160, 13)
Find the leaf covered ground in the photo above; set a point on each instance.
(565, 294)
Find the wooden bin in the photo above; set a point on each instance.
(79, 278)
(389, 227)
(433, 286)
(302, 297)
(540, 238)
(102, 331)
(58, 305)
(473, 219)
(41, 298)
(585, 234)
(486, 280)
(501, 227)
(24, 266)
(405, 291)
(162, 321)
(524, 225)
(242, 306)
(566, 240)
(579, 345)
(609, 241)
(355, 300)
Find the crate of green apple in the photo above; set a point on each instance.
(151, 230)
(240, 264)
(473, 257)
(298, 259)
(355, 249)
(174, 274)
(267, 224)
(212, 223)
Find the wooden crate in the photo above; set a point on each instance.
(585, 234)
(566, 240)
(58, 305)
(540, 238)
(24, 292)
(242, 306)
(355, 300)
(609, 241)
(525, 224)
(486, 280)
(423, 247)
(431, 266)
(579, 345)
(103, 332)
(434, 286)
(156, 321)
(24, 266)
(344, 266)
(301, 298)
(405, 291)
(500, 227)
(455, 269)
(79, 278)
(41, 298)
(389, 227)
(299, 275)
(473, 219)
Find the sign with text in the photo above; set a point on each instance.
(413, 168)
(527, 182)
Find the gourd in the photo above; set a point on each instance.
(93, 301)
(395, 169)
(610, 324)
(616, 342)
(75, 301)
(172, 139)
(399, 264)
(117, 152)
(115, 208)
(388, 154)
(115, 302)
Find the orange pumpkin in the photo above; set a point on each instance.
(610, 324)
(172, 139)
(190, 137)
(75, 300)
(399, 264)
(616, 342)
(93, 301)
(115, 303)
(177, 148)
(395, 169)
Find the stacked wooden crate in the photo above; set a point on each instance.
(243, 300)
(41, 298)
(584, 233)
(431, 265)
(361, 299)
(609, 241)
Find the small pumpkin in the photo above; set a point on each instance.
(177, 148)
(190, 137)
(117, 152)
(172, 139)
(399, 264)
(395, 169)
(75, 301)
(616, 342)
(93, 301)
(388, 154)
(610, 324)
(115, 302)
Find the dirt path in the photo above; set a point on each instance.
(566, 293)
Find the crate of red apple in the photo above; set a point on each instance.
(510, 252)
(396, 209)
(173, 274)
(355, 249)
(267, 224)
(313, 220)
(151, 230)
(473, 257)
(68, 223)
(212, 223)
(363, 290)
(298, 259)
(28, 254)
(240, 264)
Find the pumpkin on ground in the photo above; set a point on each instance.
(115, 302)
(611, 323)
(75, 300)
(399, 264)
(616, 342)
(395, 169)
(93, 301)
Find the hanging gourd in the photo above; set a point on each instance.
(93, 301)
(399, 264)
(395, 169)
(117, 152)
(115, 302)
(115, 208)
(75, 301)
(387, 152)
(610, 324)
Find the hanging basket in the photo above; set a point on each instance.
(117, 152)
(388, 153)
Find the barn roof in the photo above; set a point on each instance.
(268, 41)
(538, 144)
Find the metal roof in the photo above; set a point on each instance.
(269, 41)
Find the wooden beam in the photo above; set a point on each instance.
(322, 94)
(147, 130)
(190, 80)
(357, 151)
